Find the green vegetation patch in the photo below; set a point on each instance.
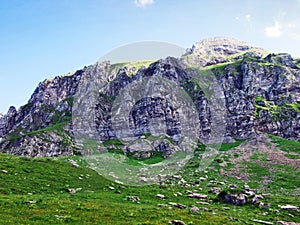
(115, 142)
(285, 144)
(228, 146)
(44, 175)
(276, 111)
(130, 65)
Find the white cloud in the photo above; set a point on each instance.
(274, 31)
(295, 36)
(292, 25)
(248, 18)
(143, 3)
(244, 18)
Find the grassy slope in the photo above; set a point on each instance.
(34, 191)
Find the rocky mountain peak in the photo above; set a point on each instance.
(219, 50)
(220, 46)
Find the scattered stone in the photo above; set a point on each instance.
(261, 204)
(134, 198)
(71, 190)
(30, 202)
(241, 199)
(203, 203)
(221, 183)
(287, 223)
(111, 188)
(182, 181)
(163, 205)
(202, 178)
(291, 215)
(118, 192)
(206, 210)
(196, 182)
(198, 196)
(176, 176)
(232, 186)
(250, 193)
(256, 199)
(265, 195)
(289, 207)
(177, 222)
(122, 187)
(259, 196)
(74, 163)
(119, 182)
(160, 196)
(235, 199)
(4, 171)
(178, 194)
(143, 180)
(178, 205)
(194, 209)
(246, 187)
(262, 222)
(214, 190)
(263, 213)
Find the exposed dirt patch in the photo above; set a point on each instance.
(261, 145)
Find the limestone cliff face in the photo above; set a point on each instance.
(261, 94)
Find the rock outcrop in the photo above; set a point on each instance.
(261, 93)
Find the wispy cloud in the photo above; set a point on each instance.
(248, 18)
(292, 25)
(274, 31)
(143, 3)
(245, 18)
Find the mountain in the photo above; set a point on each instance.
(237, 91)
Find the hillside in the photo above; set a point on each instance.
(62, 190)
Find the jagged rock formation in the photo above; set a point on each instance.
(219, 50)
(261, 94)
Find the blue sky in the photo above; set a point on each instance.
(44, 38)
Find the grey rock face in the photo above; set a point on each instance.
(261, 94)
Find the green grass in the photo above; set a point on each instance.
(228, 146)
(44, 175)
(34, 191)
(285, 144)
(115, 142)
(292, 156)
(259, 156)
(277, 111)
(256, 171)
(137, 65)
